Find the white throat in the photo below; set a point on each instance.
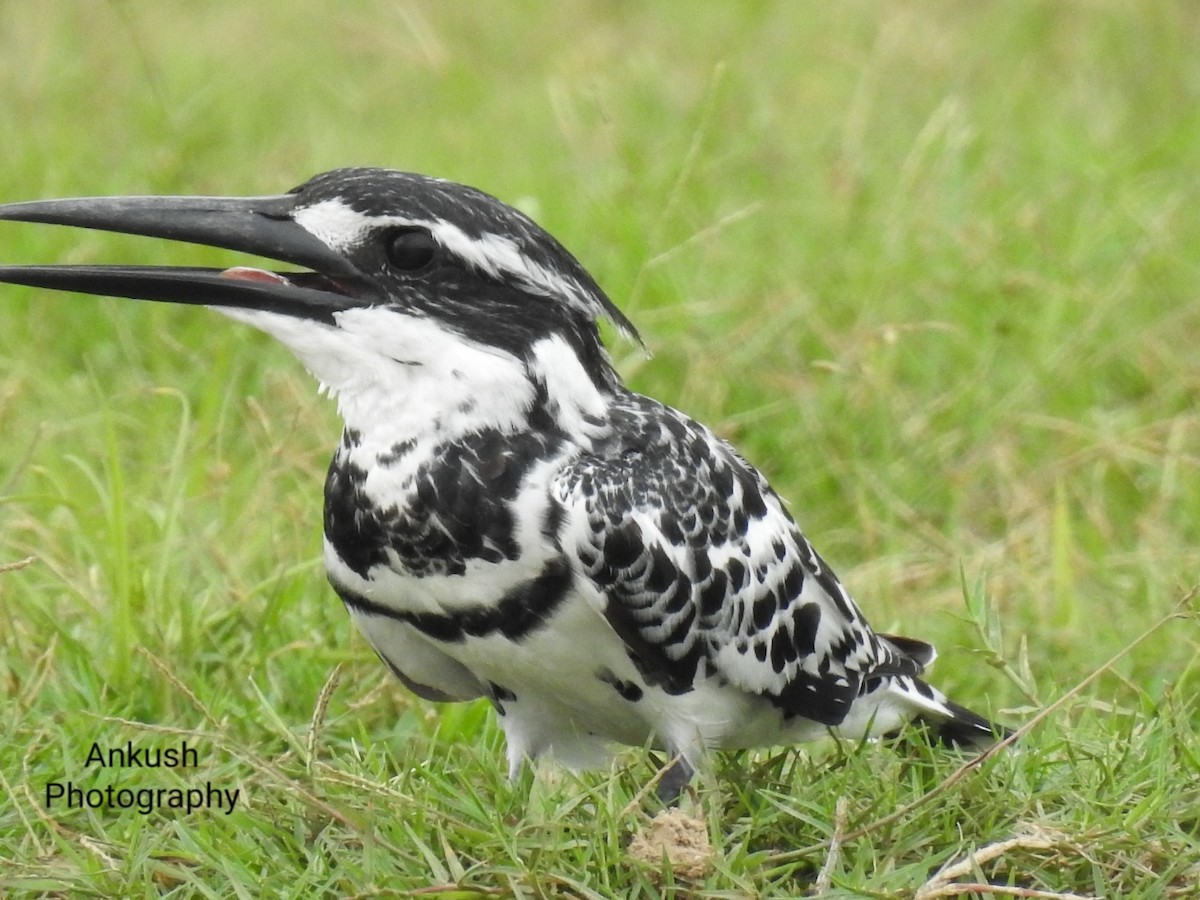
(399, 376)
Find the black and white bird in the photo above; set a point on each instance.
(503, 517)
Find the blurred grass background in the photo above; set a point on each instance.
(934, 267)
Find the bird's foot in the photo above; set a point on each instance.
(674, 779)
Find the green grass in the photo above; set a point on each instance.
(934, 267)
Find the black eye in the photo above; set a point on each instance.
(410, 249)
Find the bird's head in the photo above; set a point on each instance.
(407, 280)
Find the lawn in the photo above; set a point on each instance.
(933, 267)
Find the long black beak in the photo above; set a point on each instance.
(261, 226)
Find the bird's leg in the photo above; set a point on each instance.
(674, 780)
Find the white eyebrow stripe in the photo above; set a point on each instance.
(343, 227)
(498, 255)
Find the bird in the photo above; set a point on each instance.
(503, 517)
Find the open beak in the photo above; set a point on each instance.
(261, 226)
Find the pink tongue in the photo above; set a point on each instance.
(245, 273)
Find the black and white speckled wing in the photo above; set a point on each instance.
(704, 574)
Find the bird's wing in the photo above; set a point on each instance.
(703, 572)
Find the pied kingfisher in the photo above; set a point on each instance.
(503, 517)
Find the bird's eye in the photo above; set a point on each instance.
(410, 249)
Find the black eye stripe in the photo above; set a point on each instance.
(410, 249)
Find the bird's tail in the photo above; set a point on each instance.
(956, 726)
(948, 723)
(892, 704)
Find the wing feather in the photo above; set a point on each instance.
(704, 574)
